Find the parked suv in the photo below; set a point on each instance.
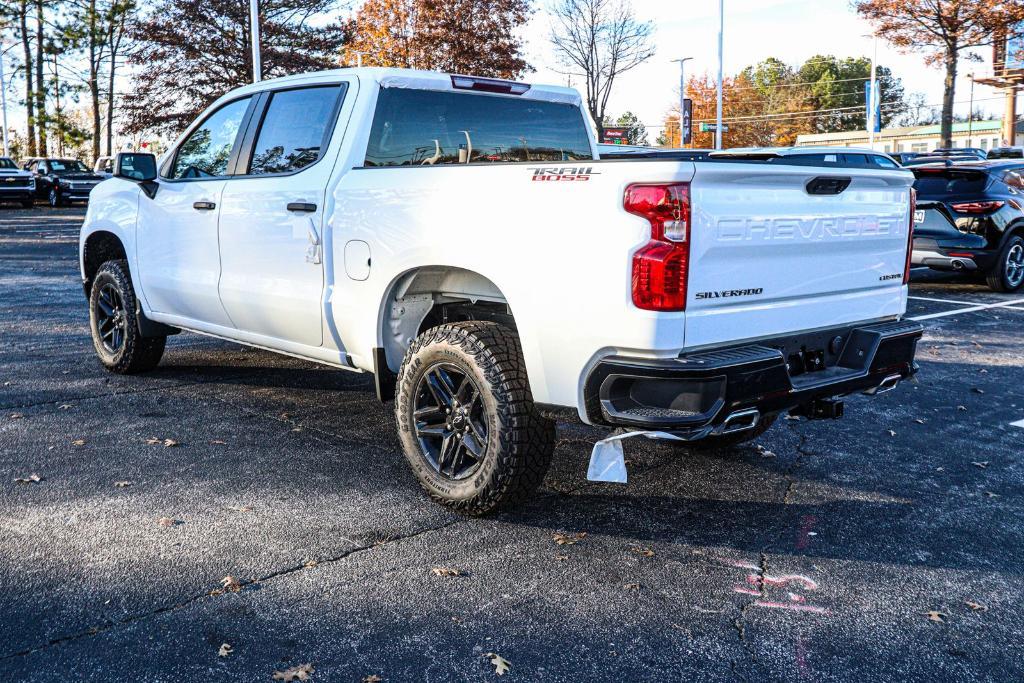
(61, 181)
(16, 185)
(970, 218)
(459, 238)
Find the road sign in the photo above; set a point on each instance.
(687, 121)
(711, 128)
(616, 136)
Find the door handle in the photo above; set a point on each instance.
(204, 206)
(302, 206)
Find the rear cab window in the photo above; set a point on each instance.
(435, 128)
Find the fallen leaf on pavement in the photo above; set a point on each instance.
(501, 665)
(78, 442)
(976, 606)
(919, 421)
(122, 484)
(224, 650)
(892, 432)
(569, 539)
(446, 571)
(167, 521)
(66, 406)
(989, 494)
(765, 453)
(230, 584)
(982, 464)
(372, 678)
(937, 617)
(17, 416)
(632, 586)
(309, 564)
(963, 408)
(30, 479)
(562, 558)
(301, 672)
(646, 552)
(240, 508)
(166, 443)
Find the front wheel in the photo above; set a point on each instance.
(466, 418)
(1008, 273)
(115, 330)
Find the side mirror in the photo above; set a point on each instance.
(139, 167)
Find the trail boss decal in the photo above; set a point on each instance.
(563, 173)
(729, 293)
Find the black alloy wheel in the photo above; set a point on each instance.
(111, 322)
(450, 422)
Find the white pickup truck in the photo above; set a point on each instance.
(460, 239)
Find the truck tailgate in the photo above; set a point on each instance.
(774, 252)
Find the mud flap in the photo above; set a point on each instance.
(608, 459)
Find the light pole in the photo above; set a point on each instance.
(3, 98)
(682, 96)
(970, 116)
(254, 20)
(875, 100)
(718, 114)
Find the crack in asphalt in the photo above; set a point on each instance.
(304, 566)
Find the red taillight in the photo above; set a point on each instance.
(910, 235)
(977, 207)
(660, 267)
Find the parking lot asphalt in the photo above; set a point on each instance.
(887, 546)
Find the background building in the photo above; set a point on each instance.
(983, 134)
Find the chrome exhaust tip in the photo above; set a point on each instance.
(887, 384)
(740, 421)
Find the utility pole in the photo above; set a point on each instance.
(254, 21)
(721, 38)
(682, 96)
(873, 105)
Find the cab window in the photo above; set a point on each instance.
(205, 153)
(295, 130)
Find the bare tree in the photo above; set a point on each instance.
(599, 40)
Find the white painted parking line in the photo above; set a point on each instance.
(1018, 423)
(941, 301)
(972, 309)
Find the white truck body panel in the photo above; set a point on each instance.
(559, 253)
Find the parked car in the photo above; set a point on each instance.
(62, 181)
(926, 159)
(104, 167)
(458, 238)
(1006, 153)
(976, 152)
(969, 218)
(16, 185)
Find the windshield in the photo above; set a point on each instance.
(7, 163)
(67, 166)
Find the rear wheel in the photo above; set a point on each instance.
(55, 198)
(466, 418)
(115, 330)
(1008, 273)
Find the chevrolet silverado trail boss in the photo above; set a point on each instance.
(461, 239)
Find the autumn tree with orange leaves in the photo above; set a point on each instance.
(456, 36)
(943, 29)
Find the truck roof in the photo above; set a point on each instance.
(421, 80)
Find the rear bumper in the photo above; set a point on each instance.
(714, 391)
(967, 253)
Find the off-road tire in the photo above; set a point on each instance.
(136, 353)
(55, 199)
(998, 278)
(520, 441)
(734, 439)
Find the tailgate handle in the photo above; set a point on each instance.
(828, 185)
